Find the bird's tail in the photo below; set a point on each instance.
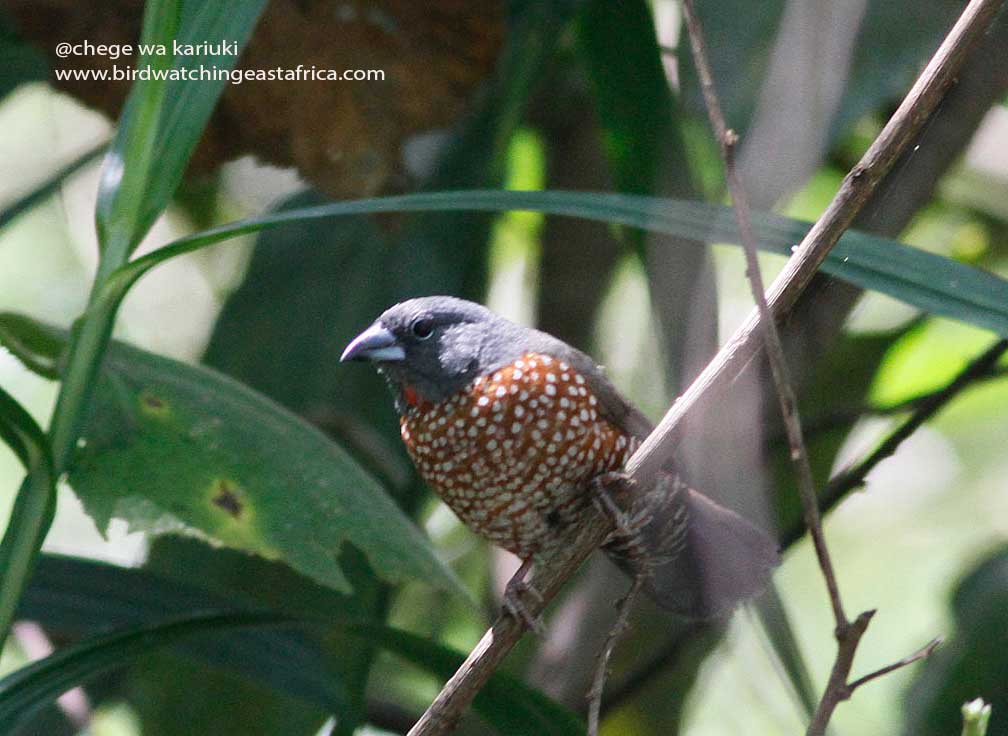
(704, 559)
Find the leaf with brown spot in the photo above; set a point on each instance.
(226, 498)
(171, 447)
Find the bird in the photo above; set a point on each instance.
(517, 431)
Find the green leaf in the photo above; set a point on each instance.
(933, 283)
(172, 444)
(76, 598)
(129, 162)
(163, 119)
(124, 213)
(639, 116)
(244, 689)
(35, 501)
(972, 663)
(22, 434)
(46, 189)
(189, 103)
(35, 685)
(173, 447)
(37, 347)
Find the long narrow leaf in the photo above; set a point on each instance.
(190, 102)
(37, 348)
(164, 117)
(933, 283)
(78, 596)
(21, 433)
(35, 685)
(35, 501)
(47, 188)
(128, 162)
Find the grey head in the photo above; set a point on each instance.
(437, 345)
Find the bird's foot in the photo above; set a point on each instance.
(627, 538)
(516, 588)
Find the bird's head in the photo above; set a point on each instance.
(431, 347)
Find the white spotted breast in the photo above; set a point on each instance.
(512, 453)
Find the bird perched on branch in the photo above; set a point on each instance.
(517, 432)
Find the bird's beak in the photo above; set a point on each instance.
(375, 344)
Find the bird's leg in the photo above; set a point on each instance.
(626, 539)
(513, 604)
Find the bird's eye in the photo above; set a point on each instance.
(422, 328)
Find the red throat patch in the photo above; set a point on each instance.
(410, 395)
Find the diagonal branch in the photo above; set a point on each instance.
(657, 450)
(857, 186)
(848, 634)
(727, 140)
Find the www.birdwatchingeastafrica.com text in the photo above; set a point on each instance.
(203, 73)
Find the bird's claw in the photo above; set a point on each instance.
(516, 587)
(515, 606)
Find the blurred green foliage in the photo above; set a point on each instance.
(167, 442)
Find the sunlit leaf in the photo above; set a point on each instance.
(130, 159)
(639, 117)
(174, 447)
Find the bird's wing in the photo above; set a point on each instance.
(616, 408)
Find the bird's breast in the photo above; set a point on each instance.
(512, 452)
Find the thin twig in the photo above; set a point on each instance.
(923, 653)
(838, 689)
(981, 368)
(657, 450)
(727, 140)
(927, 407)
(594, 695)
(905, 124)
(442, 714)
(840, 418)
(848, 635)
(776, 359)
(835, 691)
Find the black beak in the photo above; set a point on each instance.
(375, 344)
